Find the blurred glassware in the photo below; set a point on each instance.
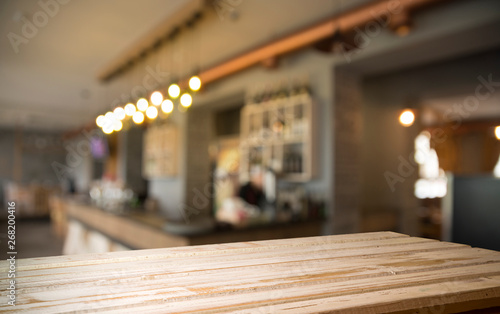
(110, 195)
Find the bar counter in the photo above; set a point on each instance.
(380, 272)
(143, 230)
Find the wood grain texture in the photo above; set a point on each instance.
(380, 272)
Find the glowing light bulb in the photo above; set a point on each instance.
(108, 129)
(142, 104)
(119, 113)
(138, 117)
(156, 98)
(117, 125)
(130, 109)
(497, 132)
(194, 83)
(174, 91)
(407, 118)
(186, 100)
(109, 115)
(152, 112)
(167, 106)
(100, 121)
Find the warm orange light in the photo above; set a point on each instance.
(186, 100)
(119, 113)
(108, 129)
(174, 91)
(167, 106)
(497, 132)
(194, 83)
(130, 109)
(156, 98)
(117, 125)
(407, 118)
(142, 104)
(152, 112)
(138, 117)
(100, 121)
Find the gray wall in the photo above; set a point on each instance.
(385, 140)
(171, 192)
(37, 151)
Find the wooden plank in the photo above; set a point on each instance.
(206, 250)
(269, 274)
(177, 267)
(376, 272)
(182, 299)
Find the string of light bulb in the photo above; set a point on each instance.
(158, 105)
(144, 110)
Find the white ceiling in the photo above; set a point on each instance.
(42, 85)
(51, 81)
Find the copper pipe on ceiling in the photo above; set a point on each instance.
(343, 24)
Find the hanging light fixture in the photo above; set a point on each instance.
(152, 112)
(167, 106)
(194, 51)
(117, 125)
(186, 100)
(407, 118)
(174, 91)
(130, 109)
(109, 115)
(497, 132)
(108, 129)
(119, 113)
(100, 121)
(195, 83)
(156, 98)
(138, 117)
(142, 104)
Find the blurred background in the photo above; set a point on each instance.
(148, 124)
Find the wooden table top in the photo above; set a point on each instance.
(381, 272)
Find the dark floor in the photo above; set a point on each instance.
(34, 238)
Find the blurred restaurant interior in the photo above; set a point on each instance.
(151, 124)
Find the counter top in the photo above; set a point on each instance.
(380, 272)
(143, 230)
